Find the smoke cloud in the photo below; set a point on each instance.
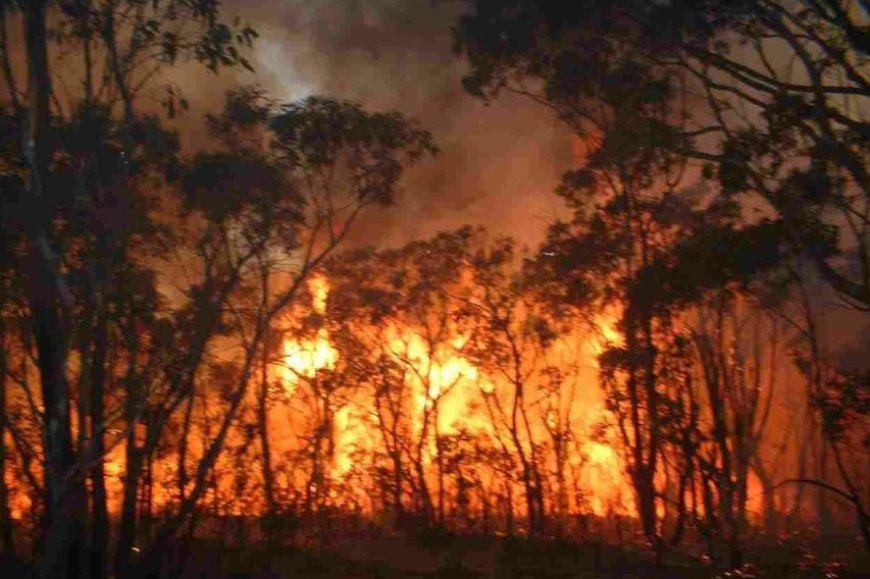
(499, 163)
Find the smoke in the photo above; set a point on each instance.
(499, 163)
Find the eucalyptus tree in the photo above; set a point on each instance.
(512, 336)
(260, 213)
(758, 106)
(68, 284)
(104, 203)
(773, 97)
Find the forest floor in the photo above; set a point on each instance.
(434, 555)
(477, 557)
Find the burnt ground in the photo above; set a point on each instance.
(434, 555)
(478, 557)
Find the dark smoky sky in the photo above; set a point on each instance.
(498, 164)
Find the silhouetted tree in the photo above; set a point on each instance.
(712, 99)
(509, 341)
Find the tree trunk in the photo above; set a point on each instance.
(393, 445)
(263, 420)
(642, 476)
(7, 545)
(768, 498)
(823, 507)
(439, 460)
(132, 460)
(127, 528)
(509, 515)
(269, 522)
(528, 477)
(419, 466)
(397, 482)
(100, 513)
(46, 294)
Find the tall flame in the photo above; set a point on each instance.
(447, 379)
(304, 358)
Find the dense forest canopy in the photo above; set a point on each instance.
(195, 345)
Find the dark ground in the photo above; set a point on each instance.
(477, 557)
(434, 555)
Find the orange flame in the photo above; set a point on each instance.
(446, 379)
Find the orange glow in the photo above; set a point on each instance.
(447, 396)
(304, 358)
(606, 333)
(604, 476)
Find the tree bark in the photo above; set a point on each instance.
(132, 460)
(263, 420)
(46, 294)
(100, 513)
(7, 544)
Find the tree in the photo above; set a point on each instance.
(736, 349)
(789, 136)
(362, 307)
(105, 204)
(629, 213)
(509, 342)
(53, 289)
(49, 296)
(261, 218)
(778, 150)
(407, 295)
(426, 277)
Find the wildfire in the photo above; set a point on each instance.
(304, 358)
(445, 387)
(447, 395)
(602, 474)
(606, 333)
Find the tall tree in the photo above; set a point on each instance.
(694, 92)
(510, 337)
(50, 299)
(791, 137)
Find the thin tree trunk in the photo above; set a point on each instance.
(509, 515)
(100, 513)
(6, 64)
(768, 498)
(419, 467)
(132, 461)
(270, 520)
(7, 545)
(397, 483)
(861, 516)
(263, 420)
(794, 515)
(127, 527)
(439, 459)
(183, 442)
(823, 507)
